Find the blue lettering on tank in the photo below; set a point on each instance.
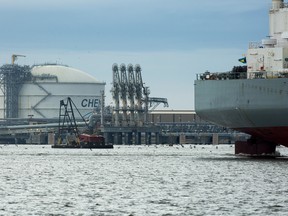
(84, 103)
(90, 103)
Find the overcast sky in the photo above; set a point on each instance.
(172, 40)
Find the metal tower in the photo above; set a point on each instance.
(146, 93)
(123, 93)
(116, 92)
(138, 95)
(131, 93)
(102, 107)
(12, 77)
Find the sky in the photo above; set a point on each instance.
(172, 40)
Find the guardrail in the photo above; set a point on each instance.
(242, 75)
(221, 76)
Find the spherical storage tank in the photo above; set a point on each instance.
(40, 97)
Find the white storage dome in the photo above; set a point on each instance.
(63, 73)
(41, 96)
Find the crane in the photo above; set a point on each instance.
(69, 135)
(14, 57)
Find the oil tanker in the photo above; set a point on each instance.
(253, 98)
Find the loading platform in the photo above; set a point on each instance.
(132, 135)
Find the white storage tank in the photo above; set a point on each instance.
(41, 96)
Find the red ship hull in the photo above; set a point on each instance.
(277, 135)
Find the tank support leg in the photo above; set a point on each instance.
(255, 147)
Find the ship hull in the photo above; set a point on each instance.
(258, 107)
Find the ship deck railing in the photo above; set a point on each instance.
(283, 5)
(267, 75)
(242, 75)
(221, 75)
(255, 45)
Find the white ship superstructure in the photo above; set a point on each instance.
(270, 57)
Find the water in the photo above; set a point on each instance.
(140, 180)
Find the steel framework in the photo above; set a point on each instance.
(12, 77)
(131, 97)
